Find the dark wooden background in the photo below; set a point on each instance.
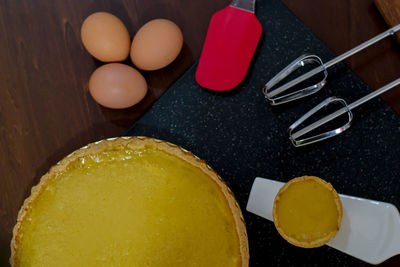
(46, 111)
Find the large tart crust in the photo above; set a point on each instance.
(315, 242)
(134, 142)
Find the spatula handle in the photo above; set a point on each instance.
(248, 5)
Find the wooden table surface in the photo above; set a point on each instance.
(46, 111)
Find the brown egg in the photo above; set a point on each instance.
(117, 85)
(156, 44)
(105, 37)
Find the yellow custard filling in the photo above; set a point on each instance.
(127, 207)
(307, 212)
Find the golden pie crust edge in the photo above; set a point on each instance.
(135, 142)
(314, 243)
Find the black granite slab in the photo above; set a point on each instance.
(241, 136)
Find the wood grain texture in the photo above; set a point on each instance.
(390, 11)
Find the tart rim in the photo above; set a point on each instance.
(134, 142)
(312, 243)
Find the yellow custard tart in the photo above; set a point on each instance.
(307, 212)
(131, 201)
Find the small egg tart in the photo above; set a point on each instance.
(307, 212)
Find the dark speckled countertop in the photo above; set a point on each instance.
(241, 136)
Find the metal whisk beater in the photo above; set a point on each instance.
(275, 96)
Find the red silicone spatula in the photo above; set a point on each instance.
(231, 41)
